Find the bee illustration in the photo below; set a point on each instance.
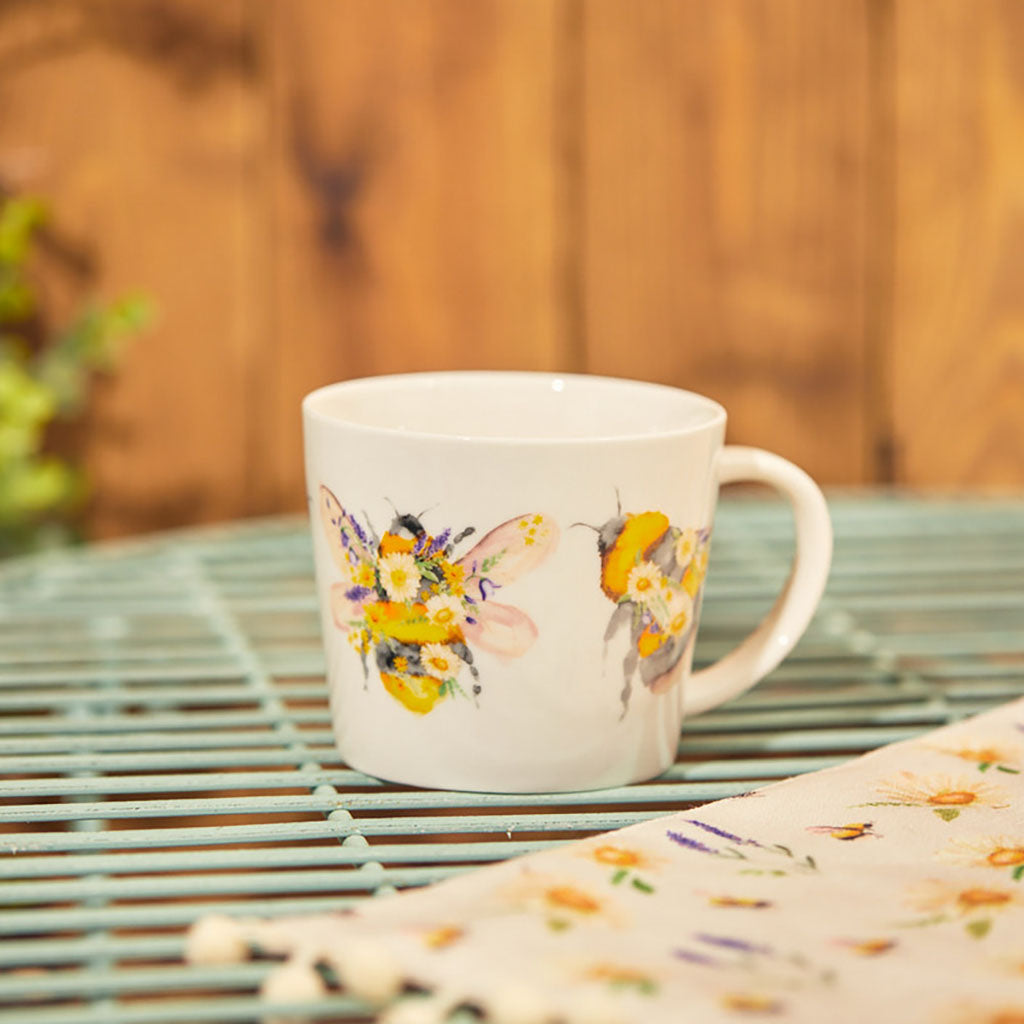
(417, 610)
(654, 573)
(856, 830)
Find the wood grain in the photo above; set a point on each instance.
(139, 121)
(416, 219)
(725, 207)
(813, 212)
(958, 330)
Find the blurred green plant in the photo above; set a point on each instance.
(46, 376)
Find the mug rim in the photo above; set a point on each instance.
(714, 413)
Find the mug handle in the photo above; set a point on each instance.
(780, 629)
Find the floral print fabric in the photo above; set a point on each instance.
(890, 888)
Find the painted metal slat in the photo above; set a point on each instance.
(165, 745)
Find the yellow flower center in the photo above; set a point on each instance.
(616, 856)
(744, 1002)
(874, 947)
(401, 664)
(442, 936)
(1006, 856)
(399, 578)
(986, 754)
(678, 624)
(439, 663)
(982, 898)
(619, 975)
(643, 584)
(570, 898)
(443, 616)
(953, 797)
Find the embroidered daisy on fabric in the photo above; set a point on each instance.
(1002, 757)
(442, 936)
(977, 1013)
(945, 795)
(559, 901)
(869, 947)
(626, 862)
(622, 978)
(944, 900)
(936, 895)
(998, 852)
(752, 1003)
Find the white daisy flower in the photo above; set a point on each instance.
(440, 661)
(445, 610)
(399, 576)
(686, 546)
(680, 612)
(642, 582)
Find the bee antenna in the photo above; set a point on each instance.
(587, 525)
(618, 502)
(393, 507)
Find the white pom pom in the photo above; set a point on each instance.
(416, 1010)
(368, 970)
(215, 939)
(593, 1008)
(517, 1005)
(296, 981)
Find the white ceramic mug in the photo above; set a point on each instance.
(510, 569)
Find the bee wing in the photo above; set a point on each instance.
(344, 610)
(345, 537)
(500, 629)
(512, 549)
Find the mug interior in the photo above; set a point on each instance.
(513, 406)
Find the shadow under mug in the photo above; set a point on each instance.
(510, 569)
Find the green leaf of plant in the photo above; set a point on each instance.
(619, 876)
(639, 883)
(979, 928)
(1018, 872)
(946, 813)
(983, 766)
(1007, 769)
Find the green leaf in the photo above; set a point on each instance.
(19, 219)
(979, 928)
(639, 883)
(1007, 769)
(1018, 872)
(557, 924)
(427, 573)
(619, 876)
(983, 766)
(492, 560)
(946, 813)
(923, 922)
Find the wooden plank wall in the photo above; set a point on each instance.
(811, 211)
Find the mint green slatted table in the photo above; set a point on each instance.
(165, 746)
